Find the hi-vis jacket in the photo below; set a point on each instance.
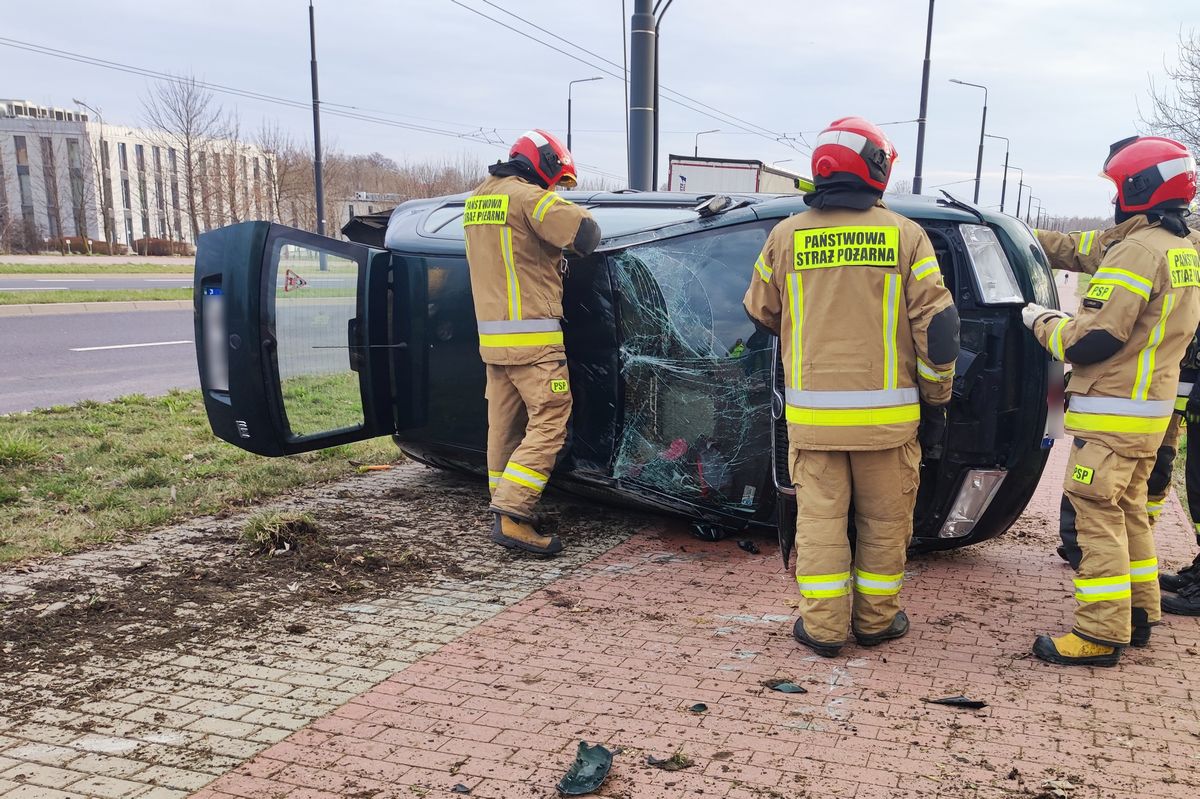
(865, 324)
(515, 233)
(1133, 327)
(1082, 251)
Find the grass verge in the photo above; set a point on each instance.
(75, 476)
(73, 295)
(185, 266)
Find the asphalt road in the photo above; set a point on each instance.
(92, 283)
(47, 360)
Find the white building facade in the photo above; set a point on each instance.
(63, 174)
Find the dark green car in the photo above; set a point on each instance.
(308, 342)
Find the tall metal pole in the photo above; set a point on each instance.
(918, 177)
(696, 141)
(982, 133)
(641, 97)
(1020, 188)
(664, 4)
(1004, 183)
(570, 86)
(318, 175)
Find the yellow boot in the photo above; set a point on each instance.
(1071, 650)
(519, 534)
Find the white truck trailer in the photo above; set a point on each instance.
(731, 176)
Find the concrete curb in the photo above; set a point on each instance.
(53, 308)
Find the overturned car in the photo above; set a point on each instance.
(306, 342)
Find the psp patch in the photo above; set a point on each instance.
(1082, 474)
(1099, 291)
(1185, 267)
(486, 209)
(559, 387)
(852, 245)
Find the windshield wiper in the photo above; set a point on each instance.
(954, 202)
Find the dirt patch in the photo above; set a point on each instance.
(355, 542)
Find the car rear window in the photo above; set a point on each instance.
(614, 220)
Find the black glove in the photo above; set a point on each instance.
(931, 431)
(1192, 410)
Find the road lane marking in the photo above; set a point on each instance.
(168, 280)
(129, 346)
(65, 280)
(34, 288)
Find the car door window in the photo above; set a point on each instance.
(696, 372)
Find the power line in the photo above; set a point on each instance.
(685, 102)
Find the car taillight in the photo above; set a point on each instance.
(974, 496)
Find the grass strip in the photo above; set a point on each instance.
(88, 295)
(76, 476)
(184, 267)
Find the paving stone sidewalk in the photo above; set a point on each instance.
(620, 651)
(166, 721)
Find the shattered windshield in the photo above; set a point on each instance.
(696, 372)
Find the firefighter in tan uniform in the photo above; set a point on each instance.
(1133, 326)
(516, 228)
(867, 330)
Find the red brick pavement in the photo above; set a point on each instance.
(618, 652)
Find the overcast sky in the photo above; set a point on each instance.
(1065, 77)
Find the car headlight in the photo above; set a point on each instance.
(974, 496)
(993, 273)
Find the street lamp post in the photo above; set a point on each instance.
(102, 171)
(1029, 209)
(918, 177)
(1004, 183)
(696, 147)
(1020, 188)
(982, 133)
(570, 85)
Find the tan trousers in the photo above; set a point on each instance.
(528, 408)
(883, 486)
(1119, 568)
(1158, 486)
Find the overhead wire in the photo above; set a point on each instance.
(679, 98)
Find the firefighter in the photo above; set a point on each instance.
(516, 228)
(867, 329)
(1083, 251)
(1133, 326)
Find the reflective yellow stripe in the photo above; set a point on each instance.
(521, 339)
(525, 470)
(1125, 279)
(524, 476)
(925, 267)
(796, 299)
(539, 210)
(824, 586)
(1100, 589)
(1143, 571)
(763, 270)
(877, 584)
(1154, 508)
(512, 284)
(494, 477)
(1145, 370)
(927, 372)
(1181, 403)
(852, 417)
(1085, 242)
(1056, 345)
(891, 310)
(1108, 423)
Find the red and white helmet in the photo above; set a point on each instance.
(1149, 171)
(547, 156)
(854, 146)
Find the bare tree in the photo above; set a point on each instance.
(1175, 109)
(186, 116)
(900, 186)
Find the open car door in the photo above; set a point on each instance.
(303, 341)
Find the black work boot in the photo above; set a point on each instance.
(1184, 603)
(1141, 628)
(825, 650)
(520, 534)
(897, 629)
(1185, 576)
(1071, 650)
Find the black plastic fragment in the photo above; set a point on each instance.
(957, 701)
(708, 532)
(460, 788)
(784, 686)
(746, 545)
(699, 707)
(587, 773)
